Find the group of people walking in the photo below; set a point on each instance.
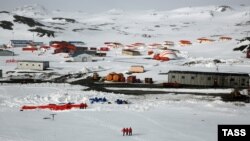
(127, 131)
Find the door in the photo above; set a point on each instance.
(215, 82)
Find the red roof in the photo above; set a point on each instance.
(45, 47)
(106, 43)
(155, 44)
(205, 39)
(138, 44)
(129, 46)
(226, 37)
(185, 42)
(169, 42)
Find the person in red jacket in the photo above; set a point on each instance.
(130, 131)
(126, 130)
(123, 131)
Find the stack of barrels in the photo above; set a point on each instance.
(115, 77)
(149, 80)
(150, 52)
(131, 79)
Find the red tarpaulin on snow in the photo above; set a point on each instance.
(56, 107)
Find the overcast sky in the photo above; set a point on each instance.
(104, 5)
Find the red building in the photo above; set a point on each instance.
(185, 42)
(30, 47)
(104, 49)
(63, 47)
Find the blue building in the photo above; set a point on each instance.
(20, 43)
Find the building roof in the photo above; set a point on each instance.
(226, 37)
(4, 50)
(129, 50)
(169, 42)
(83, 55)
(205, 39)
(169, 54)
(75, 42)
(185, 42)
(20, 41)
(210, 73)
(35, 61)
(137, 66)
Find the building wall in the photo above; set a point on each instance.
(6, 53)
(33, 65)
(136, 69)
(209, 80)
(83, 58)
(132, 53)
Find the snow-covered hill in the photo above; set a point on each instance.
(118, 25)
(35, 10)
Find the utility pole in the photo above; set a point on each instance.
(53, 116)
(11, 44)
(33, 37)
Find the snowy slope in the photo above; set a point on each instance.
(118, 25)
(35, 10)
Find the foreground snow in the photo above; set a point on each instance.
(153, 117)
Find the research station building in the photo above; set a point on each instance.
(209, 79)
(32, 65)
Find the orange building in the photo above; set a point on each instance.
(225, 38)
(185, 42)
(204, 40)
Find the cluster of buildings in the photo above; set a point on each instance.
(204, 40)
(80, 53)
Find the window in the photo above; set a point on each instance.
(173, 76)
(243, 80)
(27, 64)
(182, 77)
(209, 78)
(192, 77)
(33, 65)
(232, 79)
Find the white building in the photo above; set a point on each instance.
(136, 69)
(168, 54)
(83, 58)
(32, 65)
